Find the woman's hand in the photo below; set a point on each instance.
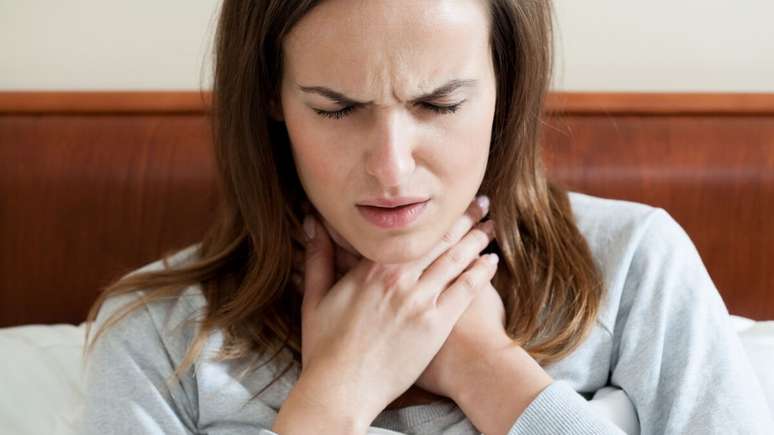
(479, 332)
(369, 336)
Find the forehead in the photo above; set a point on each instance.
(386, 46)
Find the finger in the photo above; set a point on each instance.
(476, 211)
(453, 301)
(457, 259)
(318, 266)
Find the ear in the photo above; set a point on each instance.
(275, 110)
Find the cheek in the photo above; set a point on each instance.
(309, 145)
(312, 167)
(461, 157)
(318, 171)
(463, 152)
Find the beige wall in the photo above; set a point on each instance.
(665, 45)
(104, 44)
(656, 45)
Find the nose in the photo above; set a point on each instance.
(390, 158)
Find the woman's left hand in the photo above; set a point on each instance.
(480, 331)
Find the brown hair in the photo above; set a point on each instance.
(548, 281)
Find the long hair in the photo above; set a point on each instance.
(548, 281)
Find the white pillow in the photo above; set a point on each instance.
(40, 375)
(613, 404)
(758, 340)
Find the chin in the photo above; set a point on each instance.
(399, 249)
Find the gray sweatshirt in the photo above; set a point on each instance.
(663, 336)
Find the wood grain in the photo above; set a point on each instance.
(96, 184)
(568, 103)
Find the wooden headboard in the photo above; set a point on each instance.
(96, 184)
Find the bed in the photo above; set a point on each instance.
(96, 184)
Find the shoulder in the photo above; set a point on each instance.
(671, 331)
(170, 322)
(613, 226)
(632, 242)
(600, 219)
(133, 360)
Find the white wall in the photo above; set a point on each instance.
(665, 45)
(634, 45)
(104, 44)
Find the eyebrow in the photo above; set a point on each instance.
(340, 98)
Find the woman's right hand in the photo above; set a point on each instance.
(367, 337)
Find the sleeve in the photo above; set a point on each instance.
(676, 353)
(559, 409)
(125, 389)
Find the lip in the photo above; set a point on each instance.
(393, 217)
(393, 202)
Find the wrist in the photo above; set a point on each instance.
(498, 387)
(312, 407)
(473, 360)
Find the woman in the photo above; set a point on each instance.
(387, 130)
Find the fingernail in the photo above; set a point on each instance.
(309, 227)
(483, 203)
(492, 258)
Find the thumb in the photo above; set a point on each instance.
(319, 270)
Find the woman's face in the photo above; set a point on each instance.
(380, 61)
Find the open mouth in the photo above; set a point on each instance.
(392, 217)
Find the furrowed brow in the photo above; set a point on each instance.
(342, 99)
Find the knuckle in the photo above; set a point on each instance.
(448, 238)
(419, 309)
(426, 318)
(457, 257)
(468, 281)
(403, 305)
(391, 278)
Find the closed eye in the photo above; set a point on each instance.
(338, 114)
(442, 109)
